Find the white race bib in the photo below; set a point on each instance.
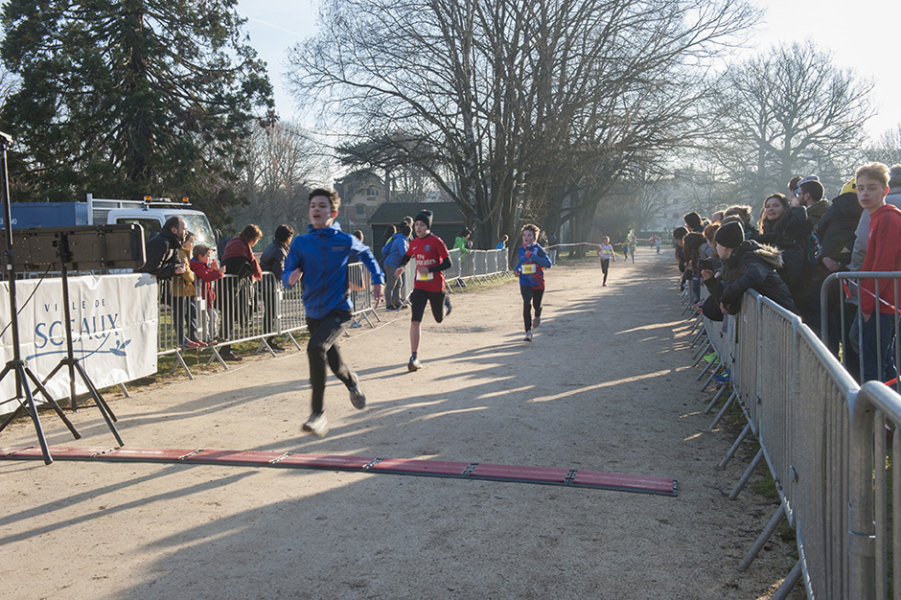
(424, 276)
(529, 269)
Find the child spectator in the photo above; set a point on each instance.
(355, 281)
(883, 254)
(392, 254)
(183, 292)
(208, 271)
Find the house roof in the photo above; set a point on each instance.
(390, 213)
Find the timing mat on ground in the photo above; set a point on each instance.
(331, 462)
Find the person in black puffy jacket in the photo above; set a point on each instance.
(746, 265)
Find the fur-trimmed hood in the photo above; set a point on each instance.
(768, 254)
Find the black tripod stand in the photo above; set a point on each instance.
(17, 366)
(70, 361)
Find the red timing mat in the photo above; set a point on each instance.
(398, 466)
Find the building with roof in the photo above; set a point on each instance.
(447, 220)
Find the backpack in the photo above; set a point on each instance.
(238, 265)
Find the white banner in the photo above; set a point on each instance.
(114, 320)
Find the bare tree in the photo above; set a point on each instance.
(405, 180)
(887, 148)
(789, 112)
(512, 93)
(282, 162)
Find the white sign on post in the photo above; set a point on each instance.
(114, 320)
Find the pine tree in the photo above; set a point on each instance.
(123, 98)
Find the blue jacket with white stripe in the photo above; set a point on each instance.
(322, 256)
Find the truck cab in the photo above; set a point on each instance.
(151, 214)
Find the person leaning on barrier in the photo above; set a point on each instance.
(693, 222)
(786, 228)
(273, 261)
(742, 212)
(679, 234)
(237, 293)
(161, 250)
(746, 265)
(708, 248)
(691, 248)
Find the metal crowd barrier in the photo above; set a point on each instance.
(247, 310)
(841, 320)
(244, 310)
(476, 265)
(823, 439)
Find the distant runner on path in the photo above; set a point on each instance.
(533, 260)
(606, 252)
(432, 260)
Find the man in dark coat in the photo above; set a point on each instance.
(746, 265)
(836, 232)
(161, 251)
(273, 261)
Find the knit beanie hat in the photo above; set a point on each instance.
(730, 235)
(850, 187)
(426, 217)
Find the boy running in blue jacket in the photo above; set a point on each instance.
(533, 260)
(319, 259)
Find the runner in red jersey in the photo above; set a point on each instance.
(432, 259)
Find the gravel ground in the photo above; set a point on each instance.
(605, 386)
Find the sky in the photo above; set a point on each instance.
(276, 25)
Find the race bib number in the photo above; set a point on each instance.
(424, 276)
(529, 269)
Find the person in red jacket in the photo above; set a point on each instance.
(880, 314)
(236, 293)
(208, 271)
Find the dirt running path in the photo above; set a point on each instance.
(605, 386)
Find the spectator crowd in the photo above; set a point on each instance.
(790, 249)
